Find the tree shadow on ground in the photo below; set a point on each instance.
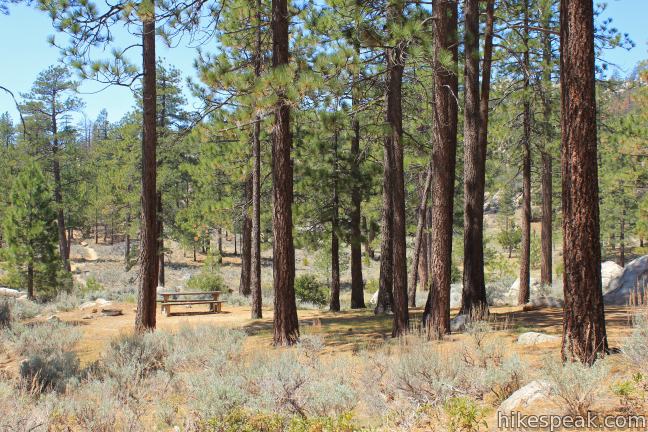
(353, 330)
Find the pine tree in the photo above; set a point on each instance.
(437, 308)
(584, 335)
(30, 232)
(49, 102)
(7, 131)
(286, 325)
(474, 288)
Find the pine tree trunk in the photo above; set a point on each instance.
(418, 238)
(424, 265)
(473, 296)
(127, 248)
(357, 283)
(334, 305)
(58, 195)
(255, 253)
(369, 238)
(395, 120)
(220, 245)
(30, 281)
(584, 334)
(436, 315)
(525, 225)
(286, 326)
(112, 228)
(96, 226)
(146, 306)
(70, 237)
(385, 283)
(58, 198)
(622, 236)
(160, 215)
(546, 276)
(246, 241)
(546, 264)
(428, 240)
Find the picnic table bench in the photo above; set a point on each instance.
(172, 299)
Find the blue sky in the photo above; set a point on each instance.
(25, 52)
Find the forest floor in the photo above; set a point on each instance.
(343, 332)
(346, 331)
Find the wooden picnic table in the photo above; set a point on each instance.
(171, 299)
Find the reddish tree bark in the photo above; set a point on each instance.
(525, 225)
(424, 266)
(255, 251)
(246, 241)
(286, 326)
(474, 288)
(334, 305)
(58, 198)
(584, 335)
(357, 283)
(546, 276)
(385, 293)
(546, 272)
(160, 215)
(436, 315)
(419, 238)
(394, 117)
(146, 307)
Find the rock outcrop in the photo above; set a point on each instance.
(633, 278)
(533, 338)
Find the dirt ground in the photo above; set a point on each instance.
(347, 331)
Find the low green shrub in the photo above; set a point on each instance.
(92, 285)
(629, 392)
(240, 420)
(206, 281)
(309, 290)
(464, 415)
(372, 285)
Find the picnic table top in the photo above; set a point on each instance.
(189, 293)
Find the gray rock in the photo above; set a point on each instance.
(53, 318)
(621, 289)
(111, 312)
(88, 305)
(455, 295)
(374, 298)
(492, 202)
(458, 323)
(511, 297)
(545, 302)
(609, 272)
(8, 292)
(526, 396)
(533, 338)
